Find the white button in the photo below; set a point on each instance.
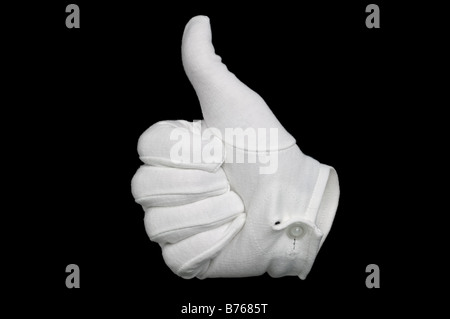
(295, 231)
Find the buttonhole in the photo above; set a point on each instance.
(277, 223)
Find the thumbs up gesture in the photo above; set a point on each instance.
(231, 195)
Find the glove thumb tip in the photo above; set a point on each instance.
(199, 18)
(197, 22)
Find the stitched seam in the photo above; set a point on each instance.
(262, 151)
(177, 164)
(200, 258)
(177, 194)
(200, 226)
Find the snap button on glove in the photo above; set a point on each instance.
(217, 217)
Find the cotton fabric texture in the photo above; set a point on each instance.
(219, 218)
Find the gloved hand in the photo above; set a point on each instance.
(241, 199)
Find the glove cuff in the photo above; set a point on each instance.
(313, 225)
(321, 211)
(324, 200)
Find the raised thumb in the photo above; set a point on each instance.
(226, 102)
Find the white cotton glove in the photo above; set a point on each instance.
(214, 214)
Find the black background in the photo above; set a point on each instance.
(82, 97)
